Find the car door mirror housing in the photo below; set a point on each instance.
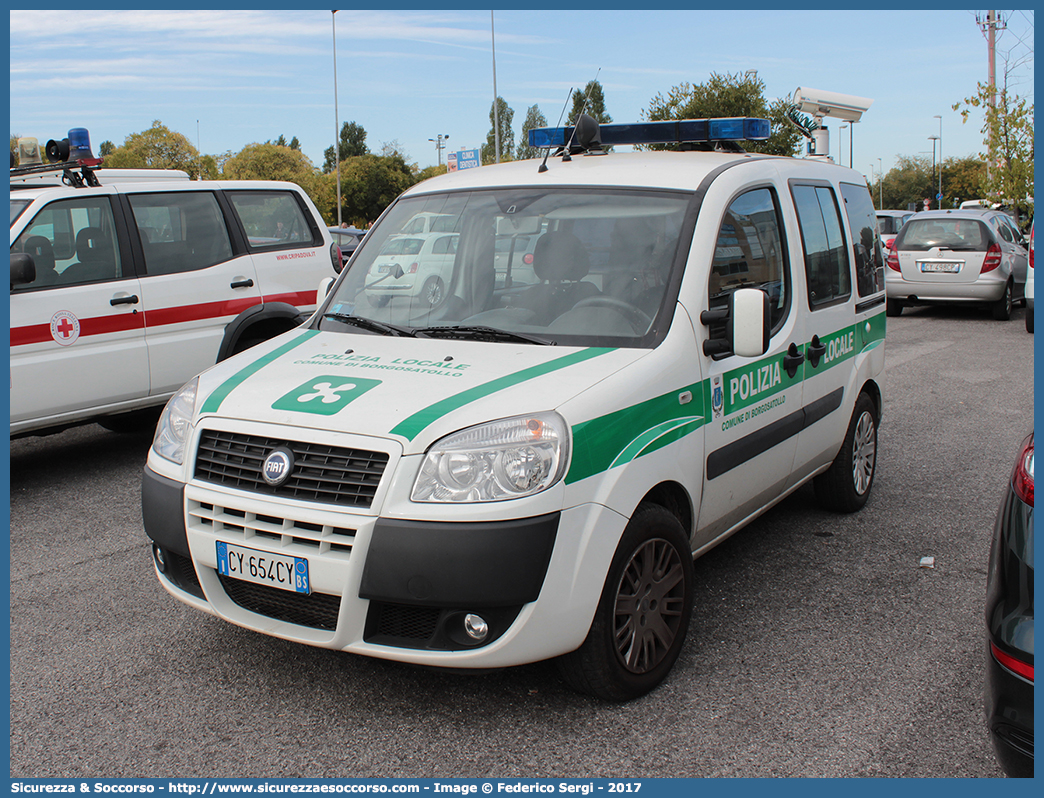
(748, 322)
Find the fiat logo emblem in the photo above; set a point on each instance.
(278, 466)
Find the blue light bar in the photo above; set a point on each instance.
(679, 131)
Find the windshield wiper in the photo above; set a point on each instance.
(370, 324)
(481, 333)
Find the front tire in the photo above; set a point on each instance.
(643, 614)
(1029, 318)
(846, 485)
(433, 291)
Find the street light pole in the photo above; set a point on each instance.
(937, 116)
(880, 181)
(439, 145)
(337, 133)
(934, 139)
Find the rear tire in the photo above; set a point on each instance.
(643, 614)
(1029, 318)
(1002, 307)
(846, 485)
(893, 307)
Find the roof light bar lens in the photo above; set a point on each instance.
(666, 132)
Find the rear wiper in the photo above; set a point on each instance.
(370, 324)
(481, 333)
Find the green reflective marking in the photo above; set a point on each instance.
(410, 427)
(215, 399)
(622, 436)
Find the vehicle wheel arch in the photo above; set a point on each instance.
(256, 324)
(674, 498)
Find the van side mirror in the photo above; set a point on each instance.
(746, 319)
(23, 269)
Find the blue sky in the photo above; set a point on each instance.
(226, 79)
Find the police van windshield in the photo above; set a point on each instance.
(566, 266)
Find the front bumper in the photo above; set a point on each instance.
(388, 588)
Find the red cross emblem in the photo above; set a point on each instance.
(65, 328)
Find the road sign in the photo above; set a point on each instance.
(468, 159)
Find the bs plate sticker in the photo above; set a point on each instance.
(324, 395)
(65, 328)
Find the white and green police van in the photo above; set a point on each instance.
(630, 357)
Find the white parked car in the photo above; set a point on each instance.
(957, 256)
(1029, 285)
(122, 291)
(890, 223)
(412, 267)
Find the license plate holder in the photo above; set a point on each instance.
(280, 571)
(939, 267)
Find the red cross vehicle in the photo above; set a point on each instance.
(129, 282)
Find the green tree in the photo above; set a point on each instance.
(106, 148)
(369, 183)
(505, 116)
(352, 143)
(963, 179)
(725, 96)
(1008, 139)
(272, 162)
(534, 119)
(155, 148)
(592, 102)
(907, 183)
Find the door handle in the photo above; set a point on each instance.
(126, 299)
(792, 359)
(816, 350)
(243, 283)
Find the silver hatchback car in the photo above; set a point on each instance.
(963, 255)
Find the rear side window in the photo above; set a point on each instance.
(180, 231)
(866, 246)
(72, 242)
(272, 219)
(826, 262)
(446, 245)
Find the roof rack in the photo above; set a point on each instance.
(85, 177)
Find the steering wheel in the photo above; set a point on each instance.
(635, 315)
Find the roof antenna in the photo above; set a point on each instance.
(576, 122)
(543, 164)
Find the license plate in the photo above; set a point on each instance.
(383, 269)
(943, 267)
(263, 567)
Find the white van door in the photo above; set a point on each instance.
(755, 403)
(77, 331)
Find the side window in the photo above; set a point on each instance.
(866, 246)
(749, 254)
(271, 219)
(72, 242)
(180, 231)
(826, 262)
(1005, 233)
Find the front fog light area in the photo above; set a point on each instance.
(504, 459)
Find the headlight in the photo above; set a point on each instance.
(492, 462)
(175, 423)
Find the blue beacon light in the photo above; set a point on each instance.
(680, 131)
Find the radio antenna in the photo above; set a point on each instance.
(576, 122)
(543, 164)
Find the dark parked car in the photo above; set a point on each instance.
(347, 238)
(1009, 623)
